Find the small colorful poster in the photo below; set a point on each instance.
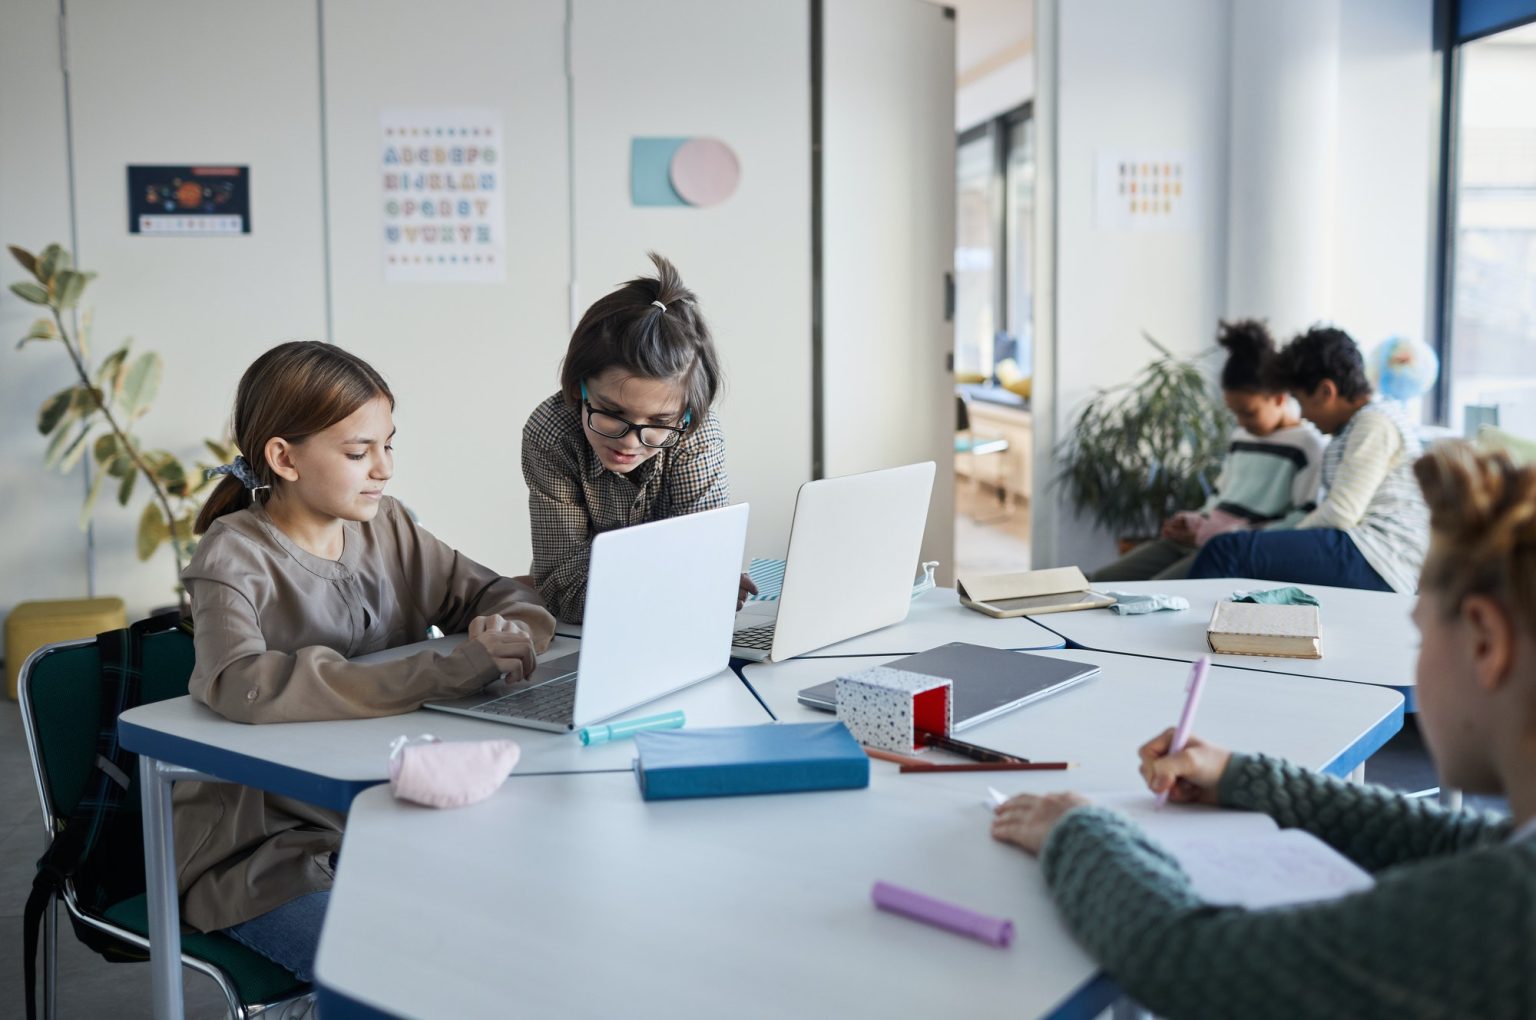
(1145, 191)
(189, 200)
(442, 199)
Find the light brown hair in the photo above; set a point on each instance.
(1482, 518)
(291, 392)
(630, 329)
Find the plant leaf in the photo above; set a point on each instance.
(170, 474)
(42, 329)
(125, 488)
(109, 377)
(106, 448)
(152, 530)
(75, 451)
(52, 413)
(60, 444)
(27, 259)
(141, 383)
(53, 258)
(90, 500)
(68, 285)
(29, 291)
(121, 466)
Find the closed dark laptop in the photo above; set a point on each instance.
(987, 681)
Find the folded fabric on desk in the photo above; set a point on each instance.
(1276, 597)
(1136, 603)
(434, 773)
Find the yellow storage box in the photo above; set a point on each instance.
(32, 625)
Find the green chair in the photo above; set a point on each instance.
(60, 687)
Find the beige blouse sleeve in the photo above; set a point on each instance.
(242, 679)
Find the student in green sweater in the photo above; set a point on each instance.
(1269, 478)
(1449, 929)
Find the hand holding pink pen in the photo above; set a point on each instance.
(1187, 717)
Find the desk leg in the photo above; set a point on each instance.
(160, 886)
(1450, 797)
(1357, 776)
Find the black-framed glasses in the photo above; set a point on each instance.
(611, 426)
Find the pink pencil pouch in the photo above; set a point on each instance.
(440, 774)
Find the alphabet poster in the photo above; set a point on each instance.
(443, 176)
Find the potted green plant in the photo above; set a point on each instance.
(1141, 451)
(99, 410)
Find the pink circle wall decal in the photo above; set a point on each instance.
(705, 171)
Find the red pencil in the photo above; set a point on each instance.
(991, 766)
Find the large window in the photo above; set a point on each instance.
(1491, 344)
(994, 307)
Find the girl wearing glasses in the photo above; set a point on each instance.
(630, 437)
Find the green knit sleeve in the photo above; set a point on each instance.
(1373, 827)
(1452, 937)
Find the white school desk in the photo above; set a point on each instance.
(329, 763)
(570, 895)
(1367, 635)
(936, 618)
(1099, 723)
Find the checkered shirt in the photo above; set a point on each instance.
(572, 497)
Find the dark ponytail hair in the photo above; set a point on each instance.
(652, 328)
(1250, 349)
(291, 392)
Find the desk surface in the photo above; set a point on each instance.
(738, 906)
(1367, 636)
(936, 618)
(329, 763)
(1101, 722)
(759, 906)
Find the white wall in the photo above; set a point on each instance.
(994, 58)
(1128, 76)
(44, 552)
(466, 361)
(207, 304)
(747, 82)
(888, 190)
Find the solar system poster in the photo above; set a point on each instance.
(189, 200)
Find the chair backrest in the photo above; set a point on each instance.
(962, 414)
(60, 693)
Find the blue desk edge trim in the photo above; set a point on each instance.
(235, 767)
(1347, 760)
(1093, 997)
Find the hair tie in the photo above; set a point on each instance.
(658, 304)
(242, 472)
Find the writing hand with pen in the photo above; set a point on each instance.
(1188, 776)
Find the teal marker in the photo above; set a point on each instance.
(626, 727)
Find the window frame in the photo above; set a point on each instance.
(999, 129)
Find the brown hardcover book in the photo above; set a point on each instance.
(1252, 628)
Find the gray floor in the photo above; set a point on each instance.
(91, 987)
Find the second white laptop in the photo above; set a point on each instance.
(853, 551)
(658, 618)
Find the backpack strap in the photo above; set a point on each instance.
(122, 659)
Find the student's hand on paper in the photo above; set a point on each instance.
(1193, 773)
(1026, 820)
(509, 642)
(747, 588)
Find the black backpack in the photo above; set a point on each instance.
(100, 849)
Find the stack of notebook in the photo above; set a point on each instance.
(732, 760)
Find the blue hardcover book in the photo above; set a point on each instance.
(731, 760)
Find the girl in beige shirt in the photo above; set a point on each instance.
(304, 564)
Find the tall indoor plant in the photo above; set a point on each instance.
(99, 410)
(1138, 452)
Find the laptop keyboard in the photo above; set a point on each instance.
(759, 638)
(552, 702)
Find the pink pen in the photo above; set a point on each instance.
(1187, 717)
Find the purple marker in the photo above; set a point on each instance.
(1187, 717)
(994, 931)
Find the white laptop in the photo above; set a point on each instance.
(660, 601)
(853, 551)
